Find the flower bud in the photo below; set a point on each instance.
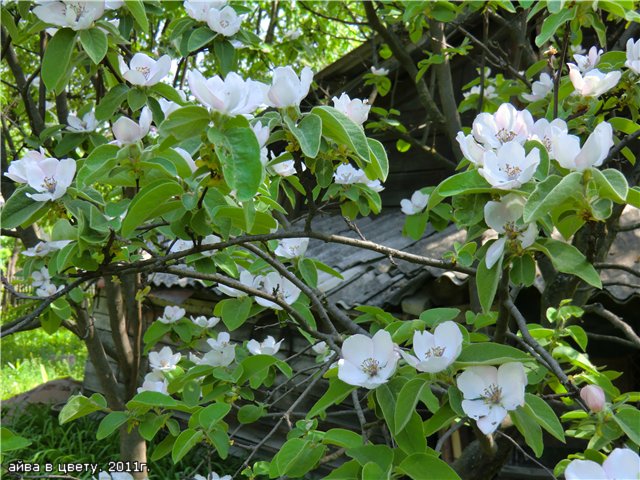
(594, 397)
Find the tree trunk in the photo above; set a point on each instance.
(133, 448)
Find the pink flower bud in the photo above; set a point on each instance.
(593, 396)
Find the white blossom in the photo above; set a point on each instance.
(286, 168)
(113, 4)
(199, 10)
(222, 352)
(225, 21)
(144, 70)
(588, 61)
(292, 247)
(368, 362)
(375, 185)
(42, 249)
(172, 314)
(504, 217)
(275, 284)
(382, 72)
(287, 90)
(540, 88)
(154, 382)
(126, 131)
(114, 476)
(566, 148)
(212, 476)
(40, 277)
(164, 360)
(346, 174)
(435, 352)
(49, 177)
(593, 83)
(204, 322)
(490, 392)
(87, 123)
(509, 167)
(593, 397)
(506, 125)
(471, 149)
(246, 278)
(621, 464)
(546, 132)
(489, 92)
(633, 55)
(168, 107)
(47, 289)
(262, 133)
(416, 204)
(77, 15)
(18, 169)
(231, 96)
(293, 34)
(321, 348)
(268, 347)
(187, 158)
(356, 109)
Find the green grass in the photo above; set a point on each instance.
(31, 358)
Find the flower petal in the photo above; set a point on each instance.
(584, 470)
(622, 464)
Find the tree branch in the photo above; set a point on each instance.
(614, 320)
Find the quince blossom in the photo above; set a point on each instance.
(49, 177)
(126, 131)
(199, 10)
(275, 284)
(566, 148)
(114, 476)
(40, 277)
(589, 61)
(231, 96)
(268, 347)
(509, 167)
(168, 107)
(346, 174)
(42, 249)
(593, 83)
(416, 204)
(368, 362)
(172, 314)
(85, 124)
(292, 247)
(471, 149)
(381, 72)
(154, 382)
(144, 70)
(633, 55)
(76, 15)
(286, 168)
(593, 396)
(540, 88)
(47, 289)
(621, 464)
(222, 352)
(435, 352)
(356, 109)
(490, 392)
(246, 278)
(503, 217)
(164, 360)
(205, 322)
(212, 476)
(546, 132)
(506, 125)
(287, 90)
(226, 21)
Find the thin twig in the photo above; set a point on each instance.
(614, 320)
(523, 451)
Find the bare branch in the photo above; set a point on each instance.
(614, 320)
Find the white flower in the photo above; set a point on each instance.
(292, 247)
(346, 174)
(375, 185)
(566, 148)
(621, 464)
(164, 360)
(435, 352)
(172, 314)
(545, 132)
(205, 322)
(88, 123)
(382, 72)
(114, 475)
(268, 347)
(593, 397)
(577, 49)
(126, 131)
(320, 348)
(77, 15)
(368, 362)
(633, 55)
(226, 21)
(589, 61)
(540, 88)
(40, 277)
(509, 168)
(212, 476)
(471, 149)
(503, 217)
(293, 34)
(199, 10)
(154, 382)
(262, 133)
(49, 177)
(594, 83)
(287, 90)
(416, 204)
(187, 158)
(180, 245)
(246, 278)
(506, 125)
(275, 284)
(222, 352)
(209, 240)
(113, 4)
(47, 289)
(42, 249)
(168, 107)
(490, 392)
(231, 96)
(144, 70)
(489, 92)
(356, 109)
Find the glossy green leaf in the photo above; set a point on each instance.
(136, 7)
(188, 439)
(20, 209)
(489, 353)
(186, 122)
(342, 130)
(545, 416)
(94, 41)
(111, 101)
(110, 424)
(487, 280)
(550, 194)
(407, 401)
(57, 58)
(422, 466)
(79, 406)
(146, 201)
(308, 133)
(567, 259)
(463, 183)
(526, 423)
(239, 154)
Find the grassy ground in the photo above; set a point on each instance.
(30, 358)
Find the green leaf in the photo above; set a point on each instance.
(136, 7)
(79, 406)
(98, 164)
(212, 414)
(545, 415)
(434, 316)
(308, 133)
(342, 130)
(622, 124)
(110, 423)
(111, 101)
(234, 311)
(487, 280)
(20, 209)
(250, 413)
(422, 466)
(525, 421)
(552, 23)
(239, 154)
(151, 399)
(185, 442)
(550, 194)
(226, 56)
(611, 184)
(146, 201)
(342, 438)
(336, 393)
(57, 58)
(407, 401)
(387, 402)
(463, 183)
(186, 122)
(579, 335)
(628, 418)
(378, 160)
(378, 454)
(199, 38)
(295, 458)
(441, 419)
(567, 259)
(256, 369)
(168, 92)
(489, 353)
(308, 271)
(94, 41)
(136, 98)
(9, 440)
